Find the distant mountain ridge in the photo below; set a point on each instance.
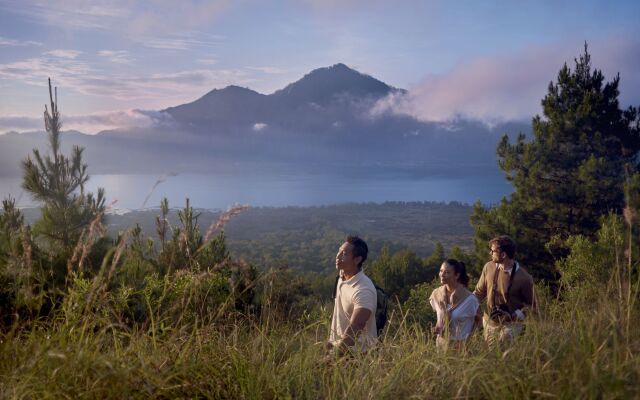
(317, 93)
(321, 122)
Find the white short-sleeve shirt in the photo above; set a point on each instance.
(356, 292)
(461, 318)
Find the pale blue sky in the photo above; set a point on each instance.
(490, 60)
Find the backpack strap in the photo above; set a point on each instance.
(335, 286)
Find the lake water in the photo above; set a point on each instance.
(221, 191)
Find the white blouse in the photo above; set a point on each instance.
(461, 318)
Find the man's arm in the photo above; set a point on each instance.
(528, 297)
(481, 287)
(481, 293)
(356, 325)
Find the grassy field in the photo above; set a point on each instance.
(191, 322)
(574, 348)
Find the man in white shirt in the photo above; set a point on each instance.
(353, 325)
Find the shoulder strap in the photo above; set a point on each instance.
(513, 275)
(335, 287)
(495, 282)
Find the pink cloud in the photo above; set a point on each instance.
(64, 53)
(90, 123)
(13, 42)
(83, 76)
(137, 18)
(510, 87)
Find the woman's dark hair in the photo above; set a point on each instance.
(460, 269)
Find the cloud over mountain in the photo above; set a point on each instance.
(510, 87)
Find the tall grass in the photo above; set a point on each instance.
(574, 348)
(192, 342)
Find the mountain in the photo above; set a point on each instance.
(322, 122)
(324, 85)
(315, 102)
(221, 107)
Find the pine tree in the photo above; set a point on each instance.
(188, 248)
(569, 174)
(58, 182)
(19, 287)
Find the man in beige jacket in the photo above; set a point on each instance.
(508, 289)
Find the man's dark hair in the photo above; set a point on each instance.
(360, 248)
(505, 244)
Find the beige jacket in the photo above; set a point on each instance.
(521, 296)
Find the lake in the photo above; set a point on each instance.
(277, 190)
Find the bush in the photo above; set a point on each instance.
(417, 306)
(593, 263)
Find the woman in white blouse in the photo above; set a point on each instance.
(454, 304)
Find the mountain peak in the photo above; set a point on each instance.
(232, 90)
(341, 66)
(220, 99)
(323, 84)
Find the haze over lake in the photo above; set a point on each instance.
(278, 190)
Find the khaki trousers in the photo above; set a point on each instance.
(500, 333)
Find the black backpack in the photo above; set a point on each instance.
(381, 305)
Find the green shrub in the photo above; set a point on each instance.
(417, 306)
(594, 263)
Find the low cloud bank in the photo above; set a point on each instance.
(91, 123)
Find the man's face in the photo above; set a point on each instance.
(497, 256)
(345, 258)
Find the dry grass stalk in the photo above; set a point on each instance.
(76, 253)
(222, 220)
(26, 248)
(629, 215)
(100, 287)
(95, 232)
(160, 180)
(87, 238)
(117, 255)
(26, 269)
(183, 240)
